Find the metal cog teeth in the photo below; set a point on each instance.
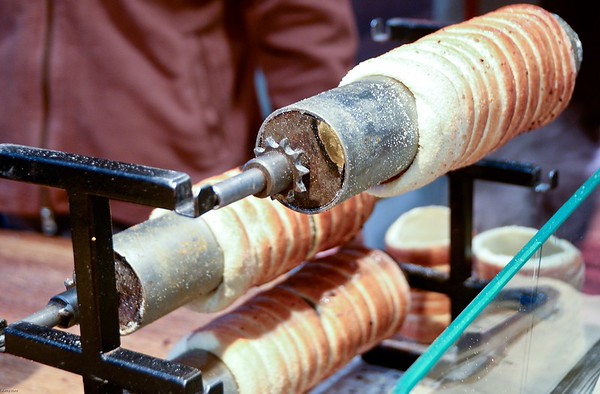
(271, 143)
(299, 185)
(293, 155)
(284, 143)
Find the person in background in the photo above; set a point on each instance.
(169, 84)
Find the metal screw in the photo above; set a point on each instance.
(3, 325)
(69, 283)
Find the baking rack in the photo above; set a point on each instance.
(91, 183)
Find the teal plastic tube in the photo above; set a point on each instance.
(427, 360)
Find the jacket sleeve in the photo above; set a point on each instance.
(303, 47)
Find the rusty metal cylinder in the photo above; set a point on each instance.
(352, 137)
(162, 264)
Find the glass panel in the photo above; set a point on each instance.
(529, 332)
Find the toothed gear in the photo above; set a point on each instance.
(293, 156)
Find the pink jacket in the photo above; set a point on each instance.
(166, 83)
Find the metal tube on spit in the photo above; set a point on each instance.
(322, 150)
(403, 119)
(171, 260)
(162, 264)
(351, 137)
(398, 122)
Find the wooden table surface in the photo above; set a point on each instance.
(32, 269)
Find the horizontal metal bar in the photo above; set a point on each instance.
(144, 373)
(45, 345)
(403, 30)
(111, 179)
(509, 172)
(430, 279)
(121, 367)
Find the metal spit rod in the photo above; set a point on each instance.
(322, 150)
(61, 311)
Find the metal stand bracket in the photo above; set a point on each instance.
(96, 355)
(458, 284)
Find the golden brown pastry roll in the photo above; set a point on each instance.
(307, 327)
(478, 84)
(261, 240)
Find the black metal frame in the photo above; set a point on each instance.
(458, 284)
(96, 354)
(90, 183)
